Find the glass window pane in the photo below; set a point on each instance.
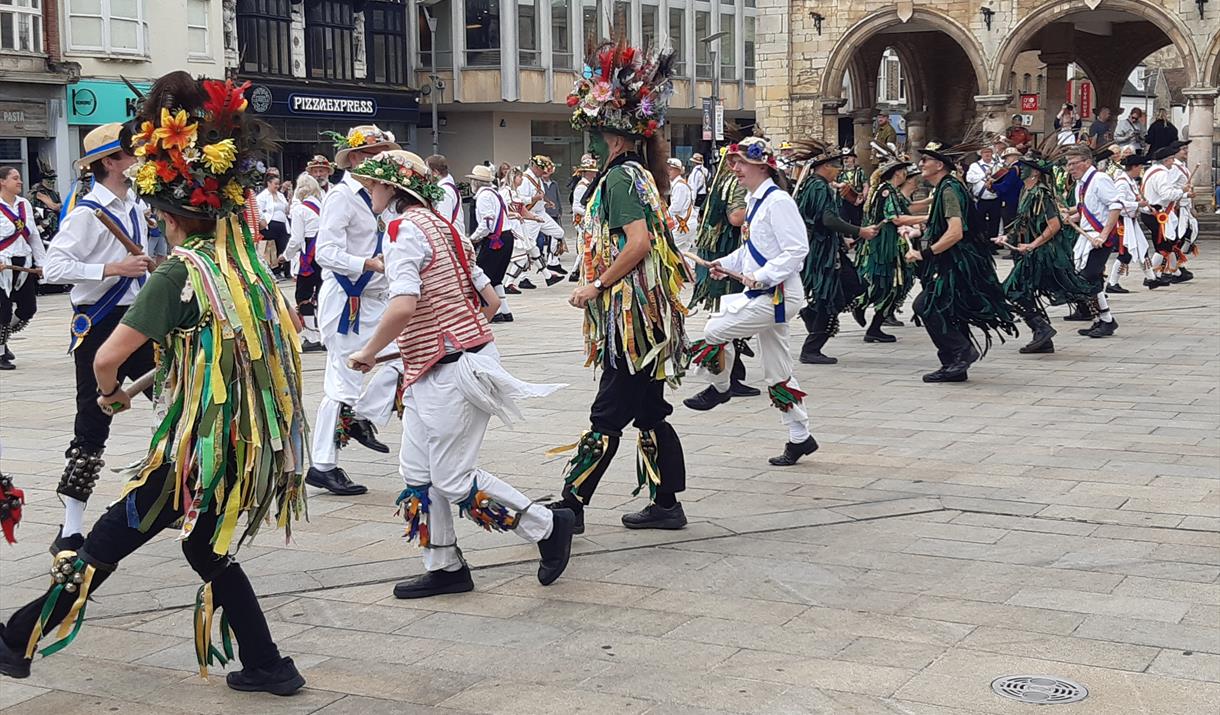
(749, 41)
(197, 41)
(703, 60)
(86, 7)
(197, 13)
(527, 25)
(561, 36)
(7, 32)
(648, 25)
(727, 49)
(677, 39)
(588, 19)
(125, 8)
(124, 35)
(86, 31)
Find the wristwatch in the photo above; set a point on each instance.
(597, 283)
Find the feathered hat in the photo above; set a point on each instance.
(622, 90)
(815, 152)
(889, 161)
(542, 162)
(973, 140)
(404, 171)
(197, 147)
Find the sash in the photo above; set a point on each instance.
(311, 243)
(457, 206)
(18, 220)
(777, 293)
(537, 187)
(684, 221)
(495, 243)
(83, 320)
(349, 320)
(1092, 220)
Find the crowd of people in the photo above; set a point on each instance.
(401, 289)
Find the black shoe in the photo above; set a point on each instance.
(1041, 340)
(365, 433)
(1091, 328)
(556, 549)
(558, 269)
(793, 452)
(1078, 315)
(708, 398)
(66, 543)
(14, 664)
(656, 517)
(578, 514)
(968, 358)
(857, 312)
(952, 373)
(502, 318)
(435, 583)
(574, 276)
(553, 280)
(1035, 347)
(817, 359)
(8, 354)
(1116, 288)
(309, 346)
(526, 285)
(6, 364)
(879, 337)
(1103, 329)
(512, 290)
(1164, 280)
(283, 678)
(334, 481)
(892, 322)
(1182, 277)
(1152, 283)
(740, 389)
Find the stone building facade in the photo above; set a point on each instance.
(959, 58)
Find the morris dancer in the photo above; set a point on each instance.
(632, 277)
(492, 235)
(303, 221)
(681, 206)
(884, 272)
(453, 383)
(769, 262)
(22, 256)
(542, 229)
(350, 303)
(1133, 244)
(586, 170)
(525, 250)
(1098, 208)
(320, 168)
(106, 276)
(1188, 225)
(225, 461)
(450, 205)
(1163, 193)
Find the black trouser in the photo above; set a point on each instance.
(277, 231)
(307, 289)
(990, 211)
(21, 301)
(1094, 270)
(1008, 214)
(111, 540)
(92, 427)
(851, 213)
(818, 325)
(494, 261)
(700, 200)
(952, 341)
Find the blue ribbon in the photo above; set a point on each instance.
(777, 292)
(83, 320)
(349, 320)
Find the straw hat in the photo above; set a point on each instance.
(696, 159)
(319, 161)
(363, 137)
(753, 150)
(482, 173)
(587, 165)
(1010, 151)
(675, 163)
(102, 141)
(401, 169)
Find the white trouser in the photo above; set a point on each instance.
(441, 437)
(685, 239)
(742, 317)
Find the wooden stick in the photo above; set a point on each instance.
(381, 360)
(17, 269)
(114, 229)
(141, 384)
(708, 265)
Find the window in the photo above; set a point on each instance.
(385, 23)
(196, 28)
(561, 35)
(588, 18)
(677, 39)
(264, 36)
(648, 25)
(527, 34)
(702, 53)
(330, 27)
(750, 21)
(728, 47)
(21, 25)
(110, 27)
(1025, 83)
(621, 23)
(482, 32)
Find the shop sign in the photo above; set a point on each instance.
(24, 119)
(301, 101)
(1029, 103)
(94, 102)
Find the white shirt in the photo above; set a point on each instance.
(1160, 186)
(83, 247)
(303, 223)
(450, 207)
(777, 231)
(977, 177)
(408, 254)
(1182, 177)
(578, 198)
(22, 248)
(272, 206)
(488, 205)
(347, 234)
(1128, 194)
(681, 201)
(1100, 198)
(698, 179)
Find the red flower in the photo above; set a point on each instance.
(208, 194)
(165, 172)
(652, 124)
(224, 100)
(573, 100)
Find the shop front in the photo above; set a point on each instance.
(26, 128)
(91, 103)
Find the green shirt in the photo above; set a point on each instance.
(622, 201)
(159, 309)
(952, 206)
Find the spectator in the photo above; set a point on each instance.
(1100, 132)
(1130, 130)
(885, 134)
(1161, 133)
(1018, 135)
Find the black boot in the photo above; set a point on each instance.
(708, 398)
(874, 334)
(572, 504)
(435, 583)
(66, 543)
(892, 322)
(857, 312)
(365, 433)
(1043, 332)
(811, 351)
(1152, 283)
(1103, 329)
(793, 452)
(556, 549)
(737, 388)
(655, 516)
(1116, 288)
(1080, 312)
(13, 663)
(280, 678)
(1182, 276)
(334, 481)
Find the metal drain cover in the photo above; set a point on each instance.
(1039, 689)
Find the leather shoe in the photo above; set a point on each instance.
(968, 358)
(952, 373)
(574, 276)
(553, 280)
(282, 678)
(857, 312)
(6, 364)
(502, 318)
(66, 543)
(1043, 347)
(1086, 331)
(365, 433)
(556, 549)
(879, 338)
(817, 359)
(892, 322)
(654, 516)
(512, 290)
(525, 284)
(578, 514)
(435, 583)
(309, 346)
(1078, 316)
(1116, 288)
(1164, 279)
(1103, 329)
(708, 398)
(1152, 284)
(740, 389)
(14, 664)
(8, 354)
(334, 481)
(793, 452)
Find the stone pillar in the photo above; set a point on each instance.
(993, 108)
(831, 111)
(917, 131)
(1201, 103)
(862, 123)
(1056, 54)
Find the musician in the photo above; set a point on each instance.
(106, 277)
(21, 250)
(1006, 183)
(850, 186)
(979, 176)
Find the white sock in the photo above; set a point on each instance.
(74, 515)
(1104, 306)
(1114, 271)
(798, 433)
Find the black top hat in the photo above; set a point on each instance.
(1136, 160)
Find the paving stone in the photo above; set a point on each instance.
(1189, 664)
(386, 647)
(348, 616)
(902, 628)
(816, 672)
(1103, 654)
(896, 654)
(496, 696)
(483, 630)
(13, 693)
(994, 614)
(1150, 609)
(1151, 633)
(360, 705)
(761, 637)
(372, 677)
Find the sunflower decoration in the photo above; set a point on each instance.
(357, 137)
(623, 90)
(194, 143)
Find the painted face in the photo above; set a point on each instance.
(599, 149)
(1025, 172)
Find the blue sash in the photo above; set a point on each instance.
(349, 320)
(777, 292)
(83, 320)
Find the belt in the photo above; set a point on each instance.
(454, 357)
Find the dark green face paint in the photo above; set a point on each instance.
(597, 147)
(1026, 172)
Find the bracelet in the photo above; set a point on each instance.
(112, 393)
(927, 254)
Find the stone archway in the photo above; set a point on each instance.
(1211, 73)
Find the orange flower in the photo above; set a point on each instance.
(166, 172)
(143, 138)
(175, 131)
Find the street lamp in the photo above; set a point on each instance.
(435, 85)
(712, 42)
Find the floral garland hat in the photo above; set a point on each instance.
(365, 136)
(404, 171)
(623, 90)
(754, 150)
(542, 162)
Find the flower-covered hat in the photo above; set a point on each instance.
(196, 146)
(753, 150)
(319, 162)
(404, 171)
(587, 164)
(542, 162)
(623, 90)
(365, 136)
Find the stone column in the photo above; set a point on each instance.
(862, 124)
(993, 108)
(1055, 92)
(1201, 102)
(831, 111)
(917, 130)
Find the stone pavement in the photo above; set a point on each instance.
(1057, 515)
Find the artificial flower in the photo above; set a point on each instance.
(208, 194)
(224, 101)
(143, 138)
(165, 171)
(573, 100)
(602, 92)
(355, 138)
(234, 193)
(219, 156)
(176, 131)
(146, 178)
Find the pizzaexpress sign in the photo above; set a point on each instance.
(313, 104)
